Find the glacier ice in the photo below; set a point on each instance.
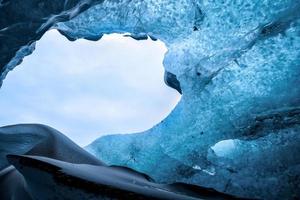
(42, 163)
(22, 23)
(236, 128)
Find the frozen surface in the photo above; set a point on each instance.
(235, 62)
(238, 67)
(85, 181)
(59, 169)
(42, 140)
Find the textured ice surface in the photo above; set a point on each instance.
(238, 67)
(22, 23)
(235, 61)
(48, 165)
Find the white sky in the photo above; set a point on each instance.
(86, 89)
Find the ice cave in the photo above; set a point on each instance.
(234, 134)
(81, 89)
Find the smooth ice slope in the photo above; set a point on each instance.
(48, 165)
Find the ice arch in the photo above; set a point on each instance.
(87, 89)
(237, 63)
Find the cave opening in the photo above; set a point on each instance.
(89, 88)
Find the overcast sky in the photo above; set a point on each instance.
(87, 89)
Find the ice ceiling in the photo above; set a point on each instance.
(236, 128)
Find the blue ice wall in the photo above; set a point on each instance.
(236, 128)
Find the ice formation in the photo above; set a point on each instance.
(236, 128)
(51, 166)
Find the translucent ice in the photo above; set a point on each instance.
(238, 66)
